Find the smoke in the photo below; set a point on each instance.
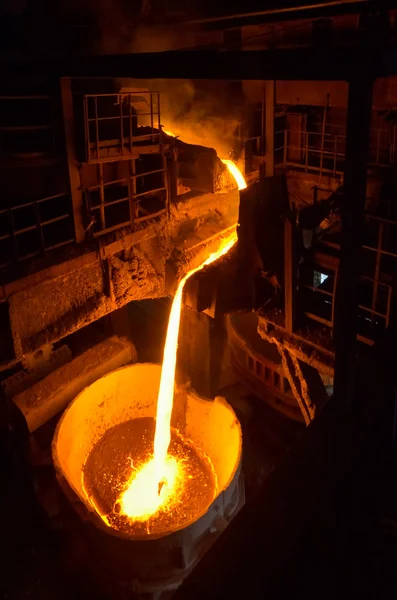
(125, 26)
(198, 112)
(202, 113)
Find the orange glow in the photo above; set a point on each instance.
(145, 494)
(232, 167)
(152, 486)
(235, 172)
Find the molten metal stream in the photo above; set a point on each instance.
(235, 172)
(166, 393)
(152, 485)
(232, 167)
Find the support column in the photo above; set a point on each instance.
(202, 352)
(270, 104)
(171, 164)
(74, 176)
(290, 276)
(194, 349)
(352, 212)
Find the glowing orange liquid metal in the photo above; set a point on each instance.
(151, 487)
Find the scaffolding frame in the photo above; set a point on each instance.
(127, 142)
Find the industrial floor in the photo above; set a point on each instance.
(41, 560)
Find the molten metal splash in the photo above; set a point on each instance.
(145, 493)
(152, 486)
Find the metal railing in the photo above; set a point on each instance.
(325, 152)
(33, 228)
(372, 320)
(314, 152)
(380, 254)
(127, 201)
(120, 125)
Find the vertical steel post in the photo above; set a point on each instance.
(377, 269)
(96, 126)
(290, 276)
(86, 125)
(352, 218)
(285, 145)
(121, 125)
(335, 152)
(307, 149)
(151, 114)
(263, 127)
(130, 122)
(270, 104)
(73, 163)
(324, 123)
(378, 141)
(101, 196)
(133, 209)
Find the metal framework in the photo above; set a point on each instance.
(323, 152)
(377, 289)
(27, 229)
(118, 126)
(117, 203)
(261, 369)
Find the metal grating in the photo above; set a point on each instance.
(33, 228)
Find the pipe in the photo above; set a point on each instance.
(276, 11)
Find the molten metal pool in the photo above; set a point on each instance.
(107, 434)
(122, 497)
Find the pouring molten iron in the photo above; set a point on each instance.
(141, 475)
(231, 166)
(157, 481)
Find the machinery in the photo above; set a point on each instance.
(107, 205)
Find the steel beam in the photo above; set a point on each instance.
(335, 64)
